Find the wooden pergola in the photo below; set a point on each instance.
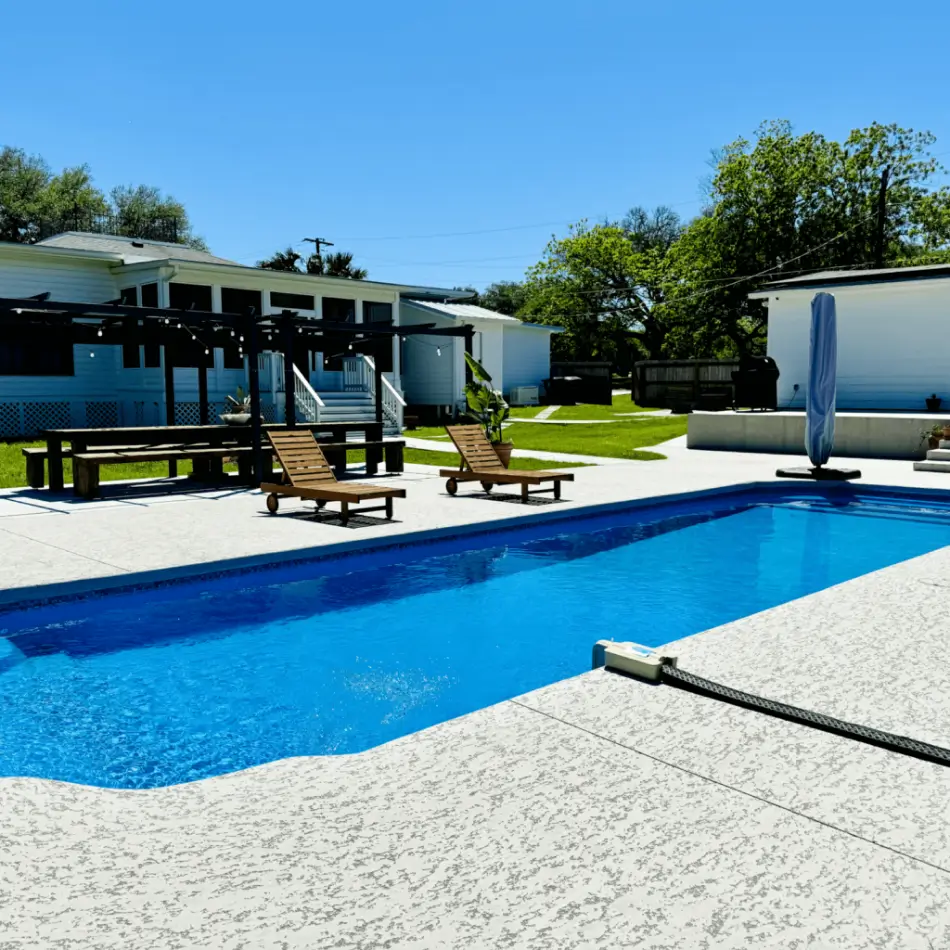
(39, 319)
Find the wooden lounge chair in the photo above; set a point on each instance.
(480, 463)
(308, 475)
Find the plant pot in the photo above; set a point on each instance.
(933, 403)
(946, 432)
(235, 418)
(933, 442)
(503, 451)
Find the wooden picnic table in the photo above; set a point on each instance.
(213, 436)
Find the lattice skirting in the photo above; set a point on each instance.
(26, 418)
(189, 413)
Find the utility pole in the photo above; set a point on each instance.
(317, 243)
(881, 218)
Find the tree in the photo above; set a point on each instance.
(35, 203)
(143, 210)
(788, 204)
(505, 296)
(23, 183)
(288, 260)
(606, 285)
(339, 264)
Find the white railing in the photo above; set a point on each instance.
(393, 403)
(355, 376)
(307, 401)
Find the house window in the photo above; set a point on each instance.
(338, 310)
(189, 297)
(36, 358)
(291, 301)
(149, 295)
(232, 357)
(377, 312)
(190, 353)
(130, 356)
(129, 296)
(240, 301)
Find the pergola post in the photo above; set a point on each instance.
(290, 384)
(378, 386)
(254, 385)
(203, 393)
(469, 341)
(169, 367)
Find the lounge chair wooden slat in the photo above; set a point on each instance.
(310, 476)
(480, 463)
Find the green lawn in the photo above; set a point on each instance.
(621, 404)
(616, 440)
(621, 439)
(13, 467)
(451, 460)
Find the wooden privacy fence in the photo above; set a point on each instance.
(682, 384)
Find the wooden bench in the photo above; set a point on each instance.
(392, 452)
(36, 465)
(86, 464)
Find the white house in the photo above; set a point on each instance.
(516, 355)
(47, 385)
(892, 334)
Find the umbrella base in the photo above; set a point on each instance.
(821, 474)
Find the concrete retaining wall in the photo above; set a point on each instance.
(857, 435)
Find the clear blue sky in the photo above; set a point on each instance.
(378, 125)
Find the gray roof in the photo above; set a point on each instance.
(131, 250)
(882, 275)
(469, 311)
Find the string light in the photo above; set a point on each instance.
(99, 332)
(438, 351)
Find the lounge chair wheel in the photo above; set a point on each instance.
(272, 504)
(451, 486)
(321, 504)
(487, 486)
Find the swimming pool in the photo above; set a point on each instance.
(170, 684)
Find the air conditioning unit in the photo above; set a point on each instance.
(523, 396)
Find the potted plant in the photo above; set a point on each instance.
(488, 408)
(933, 402)
(933, 435)
(241, 415)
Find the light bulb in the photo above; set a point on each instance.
(92, 355)
(207, 351)
(98, 332)
(166, 319)
(350, 347)
(438, 351)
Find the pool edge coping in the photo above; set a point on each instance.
(36, 595)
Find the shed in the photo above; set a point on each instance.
(517, 355)
(891, 327)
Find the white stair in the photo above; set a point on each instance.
(938, 460)
(351, 407)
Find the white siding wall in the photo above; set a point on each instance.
(527, 356)
(489, 349)
(427, 378)
(76, 281)
(891, 344)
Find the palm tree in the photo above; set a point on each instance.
(339, 264)
(282, 260)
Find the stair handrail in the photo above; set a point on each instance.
(304, 393)
(393, 403)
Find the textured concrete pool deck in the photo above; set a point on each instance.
(596, 812)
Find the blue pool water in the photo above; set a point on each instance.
(168, 685)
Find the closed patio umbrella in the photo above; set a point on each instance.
(822, 384)
(821, 394)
